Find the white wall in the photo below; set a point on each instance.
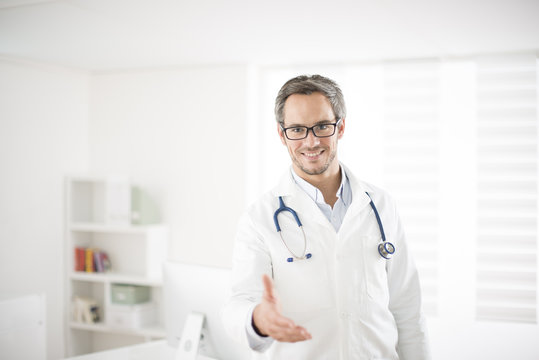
(43, 136)
(180, 134)
(472, 340)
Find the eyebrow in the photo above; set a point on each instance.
(321, 122)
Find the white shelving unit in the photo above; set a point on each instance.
(98, 215)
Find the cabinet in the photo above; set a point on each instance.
(99, 217)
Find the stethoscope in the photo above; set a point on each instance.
(385, 248)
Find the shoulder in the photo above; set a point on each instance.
(375, 190)
(260, 206)
(269, 200)
(381, 198)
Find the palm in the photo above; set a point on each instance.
(268, 318)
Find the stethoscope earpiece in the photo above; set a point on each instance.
(307, 256)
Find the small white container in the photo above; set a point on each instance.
(131, 316)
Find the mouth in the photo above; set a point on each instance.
(312, 155)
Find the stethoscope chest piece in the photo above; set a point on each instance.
(386, 249)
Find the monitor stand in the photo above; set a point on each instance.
(190, 339)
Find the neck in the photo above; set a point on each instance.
(328, 182)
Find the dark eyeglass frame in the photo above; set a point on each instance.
(311, 129)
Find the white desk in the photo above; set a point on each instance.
(154, 350)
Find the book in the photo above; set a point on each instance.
(102, 262)
(90, 260)
(80, 259)
(98, 262)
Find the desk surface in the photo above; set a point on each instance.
(154, 350)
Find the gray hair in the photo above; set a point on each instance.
(306, 85)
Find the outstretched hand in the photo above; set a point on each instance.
(269, 321)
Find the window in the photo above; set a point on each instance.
(507, 189)
(455, 142)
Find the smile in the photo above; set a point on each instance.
(313, 154)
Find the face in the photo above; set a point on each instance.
(312, 155)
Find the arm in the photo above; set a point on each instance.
(405, 299)
(252, 298)
(269, 321)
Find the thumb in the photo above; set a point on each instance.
(269, 293)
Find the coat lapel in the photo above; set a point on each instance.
(298, 200)
(359, 198)
(307, 209)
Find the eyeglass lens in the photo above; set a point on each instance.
(300, 132)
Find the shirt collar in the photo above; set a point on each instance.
(343, 192)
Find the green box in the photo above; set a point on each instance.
(126, 294)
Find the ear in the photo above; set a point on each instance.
(342, 125)
(281, 134)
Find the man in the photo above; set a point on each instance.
(323, 290)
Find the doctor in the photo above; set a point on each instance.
(323, 290)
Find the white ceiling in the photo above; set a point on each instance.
(122, 34)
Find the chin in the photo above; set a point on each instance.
(315, 170)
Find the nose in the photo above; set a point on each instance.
(311, 140)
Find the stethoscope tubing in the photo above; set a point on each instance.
(281, 208)
(385, 248)
(382, 233)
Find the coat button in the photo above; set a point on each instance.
(345, 316)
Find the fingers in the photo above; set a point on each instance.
(293, 333)
(268, 319)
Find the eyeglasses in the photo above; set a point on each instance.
(301, 132)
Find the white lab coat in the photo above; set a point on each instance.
(355, 304)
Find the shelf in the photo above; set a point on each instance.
(99, 210)
(105, 228)
(150, 331)
(115, 278)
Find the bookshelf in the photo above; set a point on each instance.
(106, 214)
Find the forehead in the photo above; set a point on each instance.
(300, 108)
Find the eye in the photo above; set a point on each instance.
(323, 126)
(297, 130)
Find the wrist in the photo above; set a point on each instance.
(255, 328)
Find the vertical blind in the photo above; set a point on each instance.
(507, 188)
(411, 161)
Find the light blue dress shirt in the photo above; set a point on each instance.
(334, 215)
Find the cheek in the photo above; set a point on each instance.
(295, 147)
(328, 143)
(292, 149)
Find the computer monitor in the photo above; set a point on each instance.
(196, 289)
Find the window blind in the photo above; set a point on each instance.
(414, 118)
(411, 165)
(507, 189)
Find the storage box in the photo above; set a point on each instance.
(131, 316)
(101, 200)
(129, 294)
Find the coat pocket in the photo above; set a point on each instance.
(375, 274)
(303, 285)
